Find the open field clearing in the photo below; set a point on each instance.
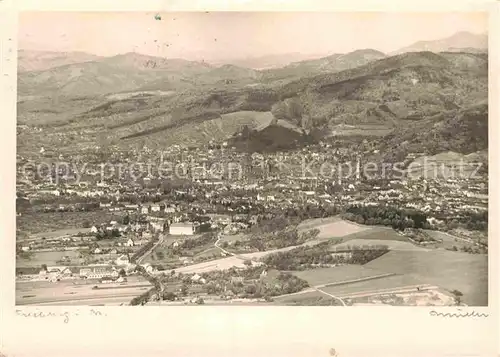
(465, 272)
(215, 127)
(306, 298)
(367, 243)
(59, 233)
(49, 258)
(234, 237)
(219, 264)
(322, 276)
(33, 293)
(254, 120)
(338, 229)
(375, 233)
(366, 130)
(449, 241)
(208, 253)
(374, 285)
(315, 222)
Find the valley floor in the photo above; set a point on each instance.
(407, 275)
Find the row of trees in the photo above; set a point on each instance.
(252, 285)
(143, 298)
(143, 249)
(308, 257)
(107, 234)
(386, 215)
(470, 249)
(276, 240)
(476, 221)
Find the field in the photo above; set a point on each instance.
(465, 272)
(391, 244)
(449, 241)
(375, 233)
(323, 276)
(333, 227)
(355, 234)
(208, 253)
(49, 258)
(310, 298)
(234, 237)
(364, 130)
(78, 292)
(390, 282)
(59, 233)
(196, 132)
(219, 264)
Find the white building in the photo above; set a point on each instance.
(182, 229)
(122, 260)
(98, 273)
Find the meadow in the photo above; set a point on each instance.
(467, 273)
(324, 276)
(312, 298)
(448, 241)
(390, 282)
(49, 258)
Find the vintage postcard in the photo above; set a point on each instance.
(236, 160)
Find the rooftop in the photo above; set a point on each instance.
(182, 224)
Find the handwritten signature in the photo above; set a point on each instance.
(458, 314)
(64, 314)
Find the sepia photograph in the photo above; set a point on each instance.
(252, 159)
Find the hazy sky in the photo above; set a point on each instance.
(223, 35)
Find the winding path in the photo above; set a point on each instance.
(332, 296)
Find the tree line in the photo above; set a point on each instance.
(394, 217)
(309, 257)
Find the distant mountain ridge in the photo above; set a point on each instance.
(431, 100)
(44, 60)
(332, 63)
(137, 61)
(30, 60)
(461, 40)
(268, 61)
(134, 71)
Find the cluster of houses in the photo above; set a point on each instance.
(102, 272)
